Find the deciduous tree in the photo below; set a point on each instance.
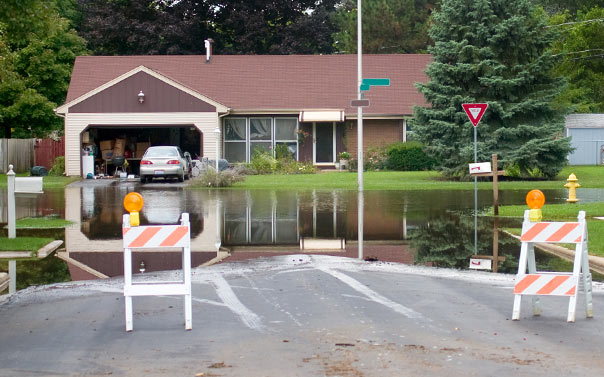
(389, 26)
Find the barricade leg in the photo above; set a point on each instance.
(521, 271)
(128, 300)
(572, 304)
(186, 268)
(188, 313)
(589, 311)
(532, 269)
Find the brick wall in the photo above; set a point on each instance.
(376, 133)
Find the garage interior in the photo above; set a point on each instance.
(100, 144)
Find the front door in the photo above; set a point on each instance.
(324, 142)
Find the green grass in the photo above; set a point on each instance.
(589, 177)
(556, 212)
(42, 222)
(48, 182)
(23, 243)
(568, 212)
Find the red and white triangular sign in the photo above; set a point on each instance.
(475, 111)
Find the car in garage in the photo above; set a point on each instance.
(165, 162)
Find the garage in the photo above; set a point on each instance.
(102, 143)
(126, 115)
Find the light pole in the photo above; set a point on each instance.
(217, 134)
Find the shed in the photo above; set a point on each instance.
(587, 138)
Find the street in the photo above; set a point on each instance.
(301, 315)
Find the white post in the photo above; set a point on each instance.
(360, 158)
(12, 217)
(217, 133)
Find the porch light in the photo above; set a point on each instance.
(141, 97)
(142, 268)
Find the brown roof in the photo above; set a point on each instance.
(272, 82)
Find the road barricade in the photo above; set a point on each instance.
(154, 237)
(540, 283)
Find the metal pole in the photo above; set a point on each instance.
(475, 198)
(360, 128)
(12, 217)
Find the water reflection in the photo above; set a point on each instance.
(423, 227)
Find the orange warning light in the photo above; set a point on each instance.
(133, 202)
(535, 199)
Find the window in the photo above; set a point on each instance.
(261, 135)
(235, 137)
(244, 135)
(285, 134)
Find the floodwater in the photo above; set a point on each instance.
(434, 228)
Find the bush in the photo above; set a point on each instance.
(409, 156)
(58, 168)
(375, 158)
(224, 178)
(263, 162)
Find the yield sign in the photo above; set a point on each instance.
(475, 111)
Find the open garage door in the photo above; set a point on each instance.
(131, 141)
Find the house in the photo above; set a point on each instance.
(587, 138)
(229, 105)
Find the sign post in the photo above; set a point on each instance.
(475, 111)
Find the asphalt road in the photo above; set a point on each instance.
(301, 316)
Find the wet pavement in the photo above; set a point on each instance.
(301, 315)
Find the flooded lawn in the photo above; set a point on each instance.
(433, 228)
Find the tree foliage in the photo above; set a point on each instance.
(35, 66)
(493, 51)
(129, 27)
(389, 26)
(581, 45)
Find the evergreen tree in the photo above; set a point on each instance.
(495, 52)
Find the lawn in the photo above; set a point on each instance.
(48, 181)
(568, 212)
(589, 177)
(23, 243)
(42, 222)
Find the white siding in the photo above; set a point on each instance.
(75, 123)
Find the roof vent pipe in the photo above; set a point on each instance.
(208, 46)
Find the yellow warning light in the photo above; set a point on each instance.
(133, 203)
(535, 199)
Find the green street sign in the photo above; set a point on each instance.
(368, 83)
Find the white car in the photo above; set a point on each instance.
(165, 162)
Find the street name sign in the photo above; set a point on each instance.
(366, 84)
(359, 103)
(475, 111)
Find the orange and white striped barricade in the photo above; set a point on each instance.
(539, 283)
(157, 237)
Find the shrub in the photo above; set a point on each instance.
(408, 156)
(58, 168)
(224, 178)
(263, 162)
(375, 158)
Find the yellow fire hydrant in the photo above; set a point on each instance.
(572, 187)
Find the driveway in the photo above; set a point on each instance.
(301, 315)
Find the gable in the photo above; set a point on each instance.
(122, 97)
